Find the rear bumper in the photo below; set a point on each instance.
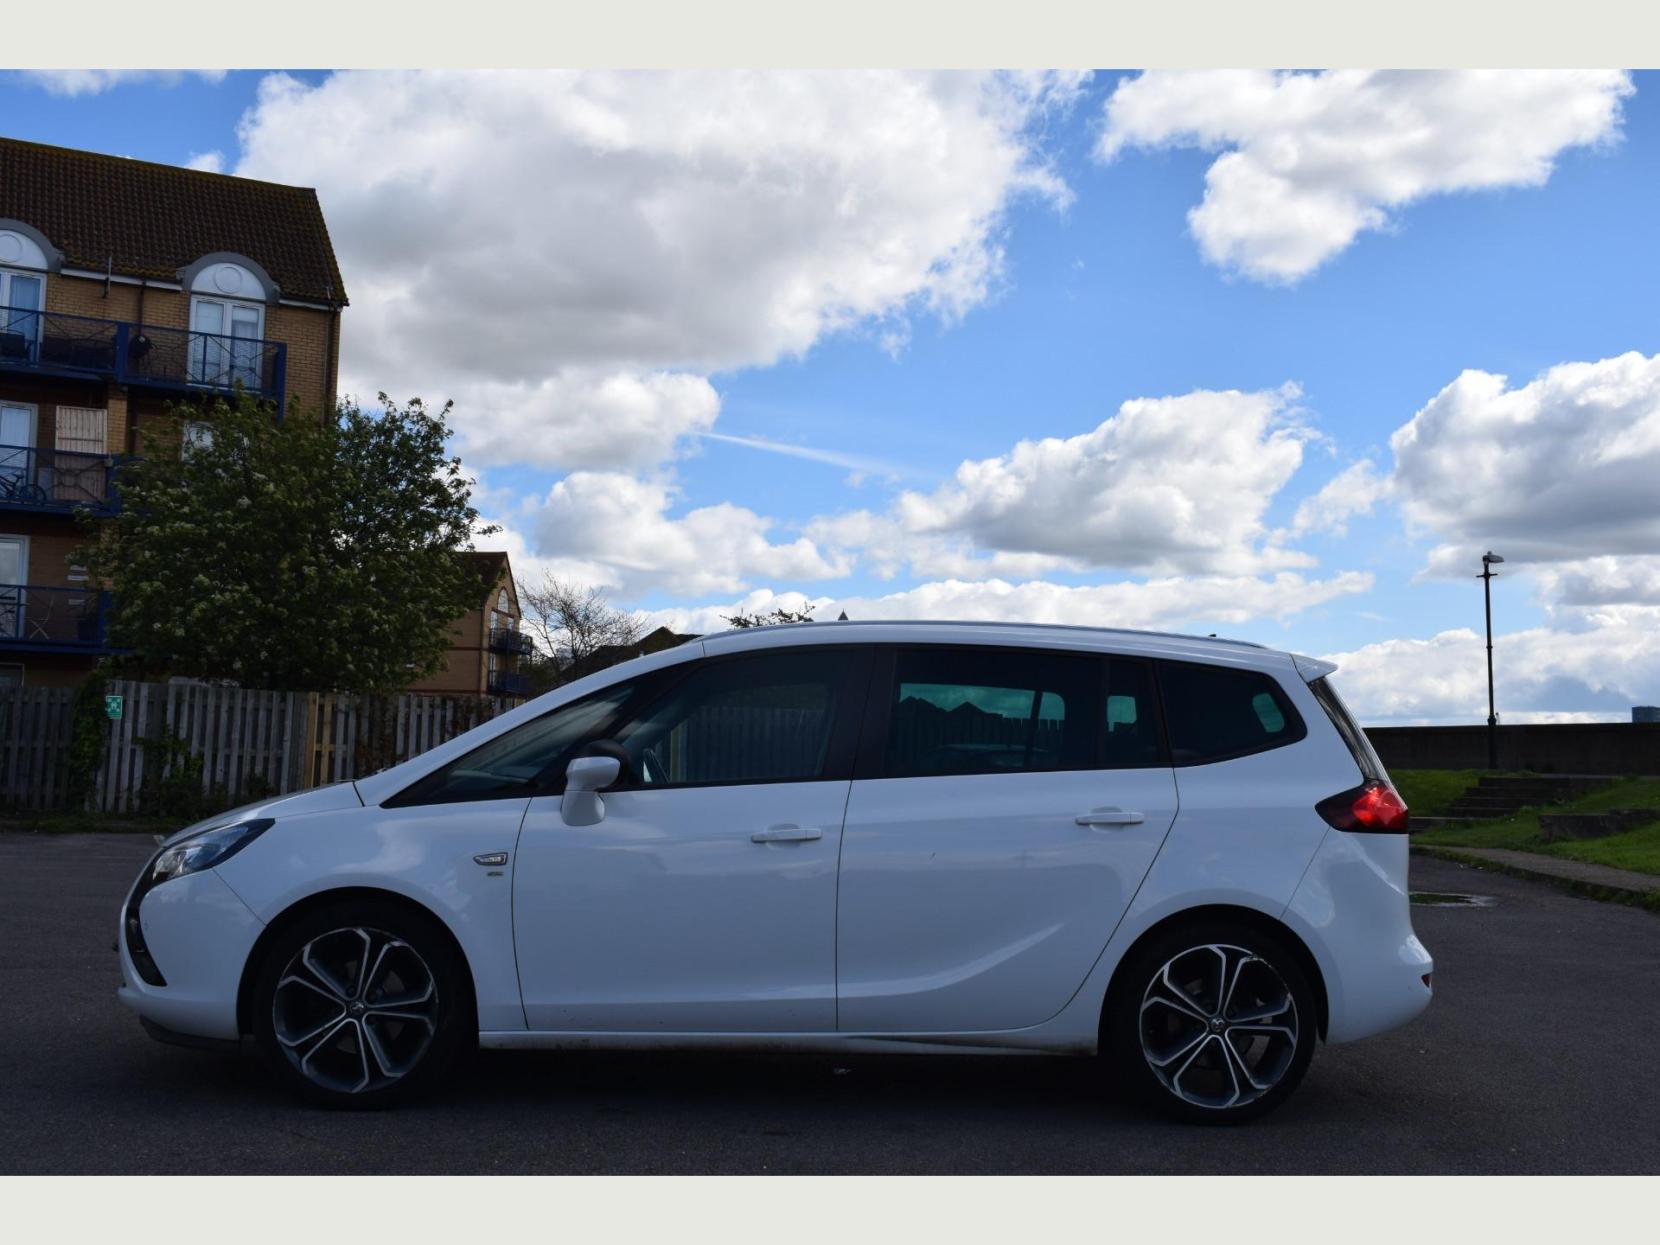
(1353, 911)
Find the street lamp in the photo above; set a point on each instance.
(1488, 561)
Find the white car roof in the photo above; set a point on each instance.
(1041, 635)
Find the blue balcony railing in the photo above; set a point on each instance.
(54, 344)
(56, 480)
(506, 640)
(64, 620)
(504, 684)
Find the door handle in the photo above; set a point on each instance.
(787, 834)
(1109, 817)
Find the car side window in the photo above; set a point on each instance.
(990, 711)
(1131, 740)
(529, 758)
(1213, 713)
(766, 718)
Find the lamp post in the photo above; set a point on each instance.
(1488, 561)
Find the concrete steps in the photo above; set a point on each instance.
(1495, 797)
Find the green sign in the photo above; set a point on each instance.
(112, 707)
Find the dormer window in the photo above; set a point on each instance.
(227, 322)
(22, 292)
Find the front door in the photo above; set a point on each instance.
(704, 899)
(1003, 814)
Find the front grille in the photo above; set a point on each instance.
(144, 963)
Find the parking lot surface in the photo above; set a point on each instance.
(1534, 1057)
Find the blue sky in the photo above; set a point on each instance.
(1100, 292)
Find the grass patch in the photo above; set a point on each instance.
(82, 823)
(1637, 850)
(1427, 792)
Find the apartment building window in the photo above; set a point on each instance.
(21, 295)
(17, 441)
(225, 345)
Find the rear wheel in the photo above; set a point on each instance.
(1213, 1022)
(362, 1004)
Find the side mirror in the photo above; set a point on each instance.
(585, 777)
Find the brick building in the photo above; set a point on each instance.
(486, 644)
(125, 286)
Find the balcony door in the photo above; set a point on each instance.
(20, 307)
(14, 571)
(225, 343)
(17, 443)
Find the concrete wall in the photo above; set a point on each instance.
(1576, 748)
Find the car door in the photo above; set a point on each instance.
(704, 898)
(1006, 805)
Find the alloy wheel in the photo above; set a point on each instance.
(1219, 1026)
(355, 1010)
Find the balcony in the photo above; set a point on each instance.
(48, 343)
(502, 684)
(506, 640)
(53, 620)
(56, 481)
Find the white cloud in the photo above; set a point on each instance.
(614, 530)
(73, 82)
(206, 161)
(579, 418)
(1352, 492)
(1540, 674)
(1309, 160)
(521, 241)
(1166, 484)
(1200, 603)
(1564, 468)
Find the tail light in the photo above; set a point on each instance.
(1373, 807)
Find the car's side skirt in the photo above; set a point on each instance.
(1010, 1042)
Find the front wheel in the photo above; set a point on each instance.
(1212, 1023)
(362, 1004)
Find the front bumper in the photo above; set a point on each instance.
(200, 934)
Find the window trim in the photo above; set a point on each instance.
(846, 726)
(1294, 719)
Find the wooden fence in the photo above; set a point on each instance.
(247, 744)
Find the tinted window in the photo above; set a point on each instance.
(980, 711)
(753, 719)
(1132, 728)
(526, 758)
(1359, 746)
(1214, 712)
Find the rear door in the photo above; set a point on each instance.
(1006, 805)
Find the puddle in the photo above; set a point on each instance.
(1443, 899)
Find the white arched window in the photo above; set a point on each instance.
(228, 295)
(23, 267)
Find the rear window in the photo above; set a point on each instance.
(1213, 713)
(1360, 747)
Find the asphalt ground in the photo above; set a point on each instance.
(1534, 1057)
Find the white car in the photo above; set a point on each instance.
(927, 837)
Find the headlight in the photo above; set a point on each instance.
(205, 850)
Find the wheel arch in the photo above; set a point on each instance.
(1250, 917)
(300, 907)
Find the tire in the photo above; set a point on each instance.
(1186, 1043)
(351, 1039)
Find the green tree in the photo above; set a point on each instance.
(769, 618)
(305, 553)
